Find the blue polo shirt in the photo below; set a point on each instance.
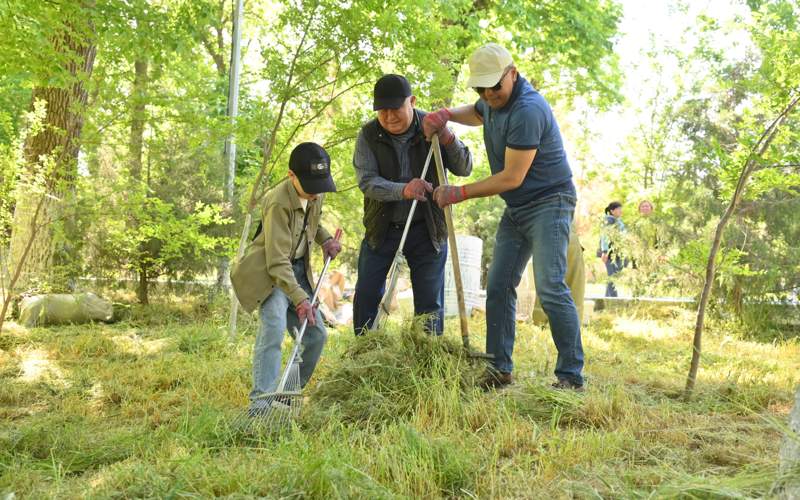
(527, 122)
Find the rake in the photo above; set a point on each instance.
(394, 270)
(279, 408)
(451, 235)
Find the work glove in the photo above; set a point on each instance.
(305, 311)
(449, 195)
(331, 248)
(436, 123)
(416, 189)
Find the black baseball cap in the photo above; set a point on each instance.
(312, 166)
(390, 92)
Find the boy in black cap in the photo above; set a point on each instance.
(274, 275)
(389, 157)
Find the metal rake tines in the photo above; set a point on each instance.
(276, 410)
(275, 413)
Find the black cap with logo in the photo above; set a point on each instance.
(312, 166)
(390, 92)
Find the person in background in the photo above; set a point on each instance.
(609, 254)
(645, 208)
(646, 227)
(575, 278)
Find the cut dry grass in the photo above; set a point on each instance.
(144, 408)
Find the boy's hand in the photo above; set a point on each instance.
(305, 311)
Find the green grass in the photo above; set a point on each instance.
(144, 408)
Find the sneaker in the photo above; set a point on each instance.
(493, 380)
(566, 384)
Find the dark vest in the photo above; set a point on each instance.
(378, 214)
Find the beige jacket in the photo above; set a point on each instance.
(267, 260)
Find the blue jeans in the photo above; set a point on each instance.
(613, 266)
(277, 312)
(538, 230)
(427, 276)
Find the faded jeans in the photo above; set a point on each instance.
(538, 230)
(277, 312)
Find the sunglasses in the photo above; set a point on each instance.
(496, 87)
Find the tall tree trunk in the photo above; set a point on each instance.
(136, 146)
(58, 141)
(138, 120)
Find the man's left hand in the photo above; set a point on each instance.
(331, 248)
(449, 195)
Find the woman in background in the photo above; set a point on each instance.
(608, 253)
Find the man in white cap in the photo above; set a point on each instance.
(531, 173)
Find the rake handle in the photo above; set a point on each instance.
(298, 336)
(454, 259)
(383, 307)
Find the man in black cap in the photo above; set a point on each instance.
(274, 275)
(389, 158)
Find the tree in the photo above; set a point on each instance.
(751, 163)
(774, 87)
(61, 86)
(160, 215)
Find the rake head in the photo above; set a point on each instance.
(274, 411)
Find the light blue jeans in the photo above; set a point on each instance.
(277, 312)
(538, 230)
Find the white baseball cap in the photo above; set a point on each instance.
(486, 65)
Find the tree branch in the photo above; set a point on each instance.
(273, 136)
(316, 115)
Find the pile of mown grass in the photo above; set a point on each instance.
(391, 374)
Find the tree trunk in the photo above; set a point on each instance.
(143, 288)
(136, 147)
(138, 120)
(58, 142)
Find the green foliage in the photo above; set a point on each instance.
(566, 46)
(20, 182)
(29, 50)
(168, 239)
(690, 157)
(154, 127)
